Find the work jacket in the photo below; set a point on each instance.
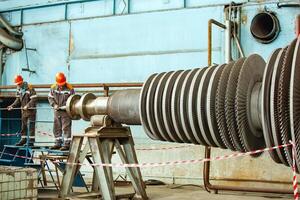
(26, 96)
(59, 95)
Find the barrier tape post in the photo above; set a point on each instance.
(295, 183)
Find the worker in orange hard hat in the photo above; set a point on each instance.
(58, 95)
(26, 98)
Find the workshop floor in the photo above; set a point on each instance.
(191, 192)
(173, 192)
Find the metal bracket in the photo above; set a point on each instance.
(27, 68)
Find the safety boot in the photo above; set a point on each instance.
(31, 142)
(21, 142)
(65, 148)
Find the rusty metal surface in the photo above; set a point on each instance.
(209, 35)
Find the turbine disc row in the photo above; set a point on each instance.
(204, 106)
(243, 106)
(279, 97)
(295, 101)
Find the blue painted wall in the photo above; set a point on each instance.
(95, 42)
(93, 47)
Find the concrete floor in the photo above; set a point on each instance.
(174, 192)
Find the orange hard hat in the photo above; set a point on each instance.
(18, 79)
(60, 78)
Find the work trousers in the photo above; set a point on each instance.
(62, 124)
(28, 119)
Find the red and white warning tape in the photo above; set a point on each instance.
(44, 133)
(18, 156)
(171, 163)
(9, 134)
(295, 183)
(225, 157)
(165, 148)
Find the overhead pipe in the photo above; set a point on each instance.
(9, 27)
(10, 41)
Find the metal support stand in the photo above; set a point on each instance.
(101, 142)
(215, 188)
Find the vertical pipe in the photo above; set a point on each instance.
(129, 6)
(228, 41)
(209, 35)
(209, 51)
(22, 17)
(206, 166)
(66, 11)
(114, 7)
(228, 35)
(26, 55)
(238, 44)
(206, 169)
(1, 65)
(297, 25)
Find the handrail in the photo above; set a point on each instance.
(79, 85)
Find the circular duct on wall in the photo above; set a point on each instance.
(265, 27)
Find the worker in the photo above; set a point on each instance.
(26, 99)
(57, 97)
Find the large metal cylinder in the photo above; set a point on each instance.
(243, 105)
(122, 106)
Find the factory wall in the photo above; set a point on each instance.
(100, 41)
